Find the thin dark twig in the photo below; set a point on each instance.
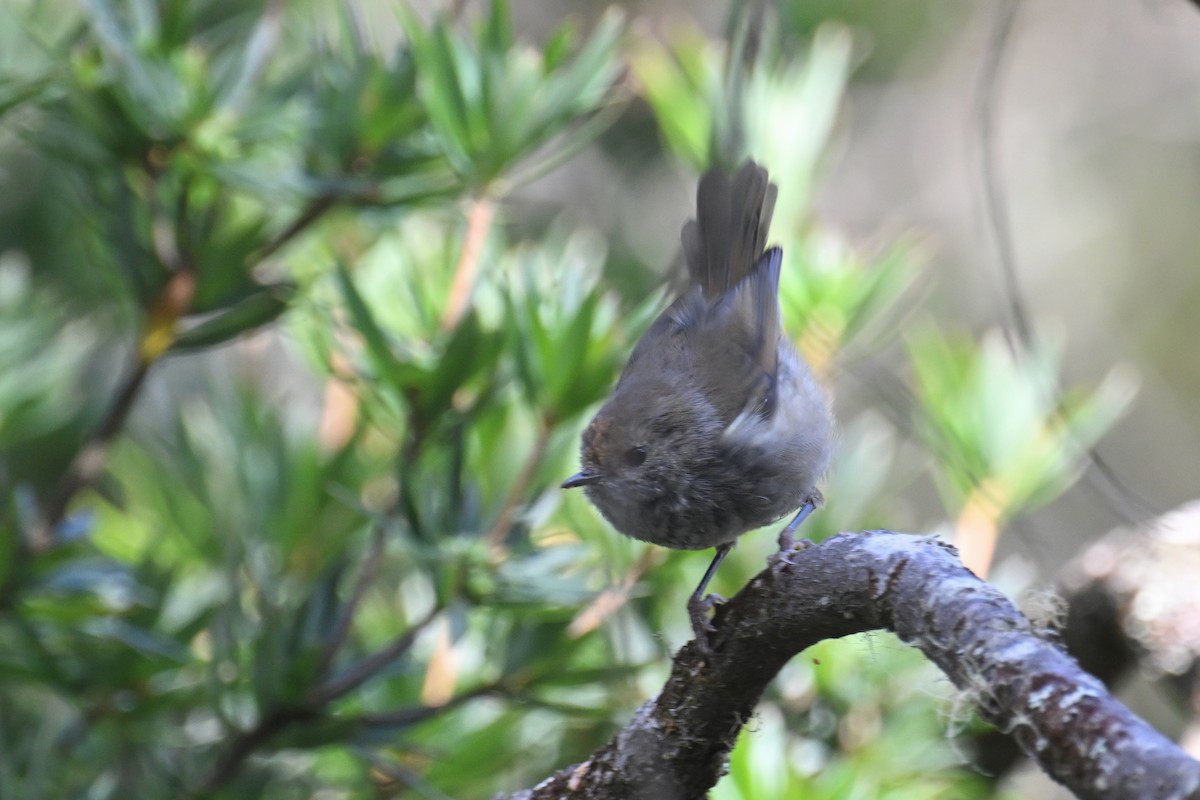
(367, 572)
(88, 463)
(1109, 485)
(369, 667)
(315, 209)
(1018, 330)
(245, 744)
(570, 710)
(272, 725)
(173, 302)
(403, 717)
(993, 191)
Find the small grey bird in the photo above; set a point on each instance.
(716, 426)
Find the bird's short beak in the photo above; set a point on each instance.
(584, 478)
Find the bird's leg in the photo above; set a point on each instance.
(698, 603)
(787, 539)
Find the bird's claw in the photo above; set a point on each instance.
(702, 627)
(788, 543)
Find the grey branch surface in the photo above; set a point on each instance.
(677, 744)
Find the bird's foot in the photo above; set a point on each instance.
(788, 543)
(702, 627)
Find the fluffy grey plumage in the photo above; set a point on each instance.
(717, 425)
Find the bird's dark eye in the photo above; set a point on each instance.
(634, 456)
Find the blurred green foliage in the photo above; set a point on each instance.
(330, 558)
(1002, 421)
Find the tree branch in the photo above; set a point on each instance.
(247, 743)
(677, 744)
(88, 464)
(367, 572)
(314, 210)
(364, 670)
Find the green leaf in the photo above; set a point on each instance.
(996, 420)
(567, 360)
(497, 37)
(680, 85)
(147, 642)
(400, 376)
(250, 313)
(494, 105)
(469, 351)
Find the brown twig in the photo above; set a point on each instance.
(612, 599)
(479, 221)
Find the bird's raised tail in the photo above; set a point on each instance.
(724, 242)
